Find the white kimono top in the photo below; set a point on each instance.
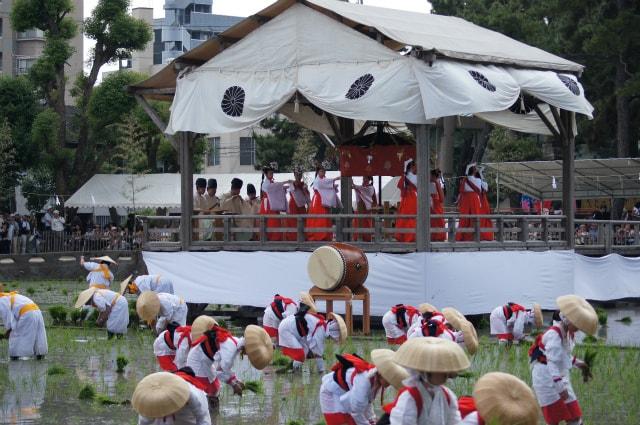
(195, 412)
(328, 192)
(276, 199)
(439, 405)
(99, 275)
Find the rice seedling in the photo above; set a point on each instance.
(31, 290)
(88, 392)
(222, 323)
(58, 314)
(77, 315)
(121, 363)
(625, 320)
(65, 292)
(56, 370)
(590, 339)
(254, 386)
(589, 358)
(602, 316)
(296, 422)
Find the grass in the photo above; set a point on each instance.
(58, 314)
(56, 370)
(256, 387)
(87, 393)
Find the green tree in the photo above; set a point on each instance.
(48, 73)
(18, 107)
(8, 166)
(117, 35)
(37, 187)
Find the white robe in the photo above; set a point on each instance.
(182, 350)
(96, 277)
(172, 309)
(330, 393)
(119, 316)
(358, 401)
(289, 337)
(551, 379)
(276, 199)
(195, 412)
(221, 366)
(437, 409)
(366, 195)
(390, 324)
(155, 283)
(160, 347)
(328, 192)
(471, 419)
(515, 325)
(271, 320)
(28, 335)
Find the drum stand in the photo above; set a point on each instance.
(345, 294)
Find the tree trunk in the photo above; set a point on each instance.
(152, 145)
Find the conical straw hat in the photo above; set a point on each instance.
(470, 337)
(342, 326)
(85, 296)
(427, 354)
(124, 284)
(537, 312)
(504, 399)
(579, 312)
(148, 306)
(426, 308)
(258, 345)
(160, 394)
(393, 373)
(453, 316)
(308, 300)
(201, 325)
(104, 258)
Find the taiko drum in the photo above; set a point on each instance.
(336, 265)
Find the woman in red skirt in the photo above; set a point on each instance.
(324, 198)
(408, 185)
(273, 201)
(365, 201)
(299, 200)
(485, 208)
(437, 207)
(468, 202)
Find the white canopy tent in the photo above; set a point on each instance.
(326, 64)
(134, 192)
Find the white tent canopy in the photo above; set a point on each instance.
(131, 191)
(306, 58)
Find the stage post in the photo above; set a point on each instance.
(568, 172)
(185, 150)
(423, 161)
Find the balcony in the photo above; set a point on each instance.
(33, 34)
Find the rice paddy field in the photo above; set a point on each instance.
(82, 360)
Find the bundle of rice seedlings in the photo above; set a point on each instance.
(121, 363)
(87, 393)
(254, 386)
(589, 359)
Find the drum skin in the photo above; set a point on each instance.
(336, 265)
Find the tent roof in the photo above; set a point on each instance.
(444, 36)
(158, 190)
(594, 178)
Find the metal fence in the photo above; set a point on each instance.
(66, 241)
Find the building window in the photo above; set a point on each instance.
(247, 151)
(23, 65)
(158, 46)
(214, 152)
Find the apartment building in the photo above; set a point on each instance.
(20, 50)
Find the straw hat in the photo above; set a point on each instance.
(104, 258)
(201, 325)
(454, 317)
(160, 394)
(579, 312)
(124, 284)
(537, 312)
(393, 373)
(308, 300)
(342, 326)
(426, 308)
(85, 296)
(470, 337)
(148, 306)
(427, 354)
(504, 399)
(258, 345)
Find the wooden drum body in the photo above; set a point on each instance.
(336, 265)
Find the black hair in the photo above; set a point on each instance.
(212, 183)
(251, 189)
(236, 183)
(200, 182)
(406, 171)
(555, 317)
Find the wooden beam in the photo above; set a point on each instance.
(546, 121)
(556, 116)
(185, 149)
(423, 219)
(148, 91)
(346, 186)
(568, 174)
(155, 117)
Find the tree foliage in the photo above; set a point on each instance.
(18, 107)
(8, 164)
(37, 187)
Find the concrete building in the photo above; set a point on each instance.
(20, 50)
(188, 23)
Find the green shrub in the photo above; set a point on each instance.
(65, 292)
(58, 314)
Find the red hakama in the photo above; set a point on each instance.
(293, 208)
(366, 199)
(318, 208)
(469, 203)
(437, 207)
(272, 223)
(487, 223)
(409, 206)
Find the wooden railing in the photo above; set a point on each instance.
(250, 233)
